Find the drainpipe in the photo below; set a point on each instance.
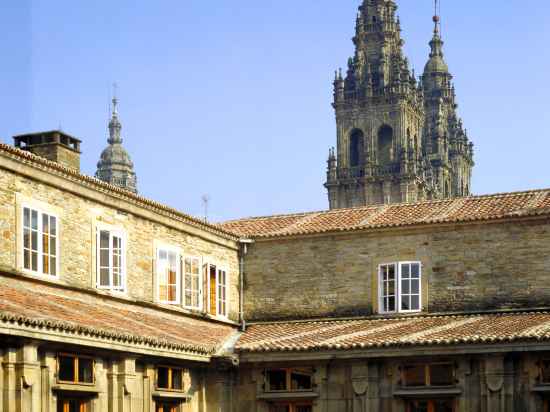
(243, 251)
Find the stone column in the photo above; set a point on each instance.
(360, 384)
(22, 379)
(494, 382)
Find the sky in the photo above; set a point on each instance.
(232, 99)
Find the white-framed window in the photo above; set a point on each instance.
(192, 283)
(217, 284)
(40, 242)
(400, 287)
(222, 292)
(111, 260)
(168, 275)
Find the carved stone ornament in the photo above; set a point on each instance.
(360, 386)
(495, 382)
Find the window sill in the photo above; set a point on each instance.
(68, 387)
(541, 388)
(403, 392)
(159, 394)
(288, 396)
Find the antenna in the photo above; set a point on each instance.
(205, 202)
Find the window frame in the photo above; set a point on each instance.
(398, 286)
(76, 359)
(288, 380)
(541, 368)
(169, 249)
(40, 245)
(427, 374)
(170, 380)
(222, 289)
(201, 281)
(121, 234)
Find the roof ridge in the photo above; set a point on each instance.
(194, 221)
(496, 312)
(381, 205)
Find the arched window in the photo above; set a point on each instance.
(385, 145)
(356, 148)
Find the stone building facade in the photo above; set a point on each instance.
(398, 139)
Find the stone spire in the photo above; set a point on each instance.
(445, 140)
(115, 166)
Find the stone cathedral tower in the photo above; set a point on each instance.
(398, 139)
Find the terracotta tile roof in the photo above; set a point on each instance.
(475, 208)
(50, 307)
(384, 333)
(92, 182)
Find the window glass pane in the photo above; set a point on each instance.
(53, 247)
(415, 302)
(53, 226)
(104, 277)
(276, 379)
(415, 286)
(405, 302)
(53, 266)
(280, 408)
(418, 406)
(34, 220)
(34, 261)
(162, 378)
(104, 239)
(442, 375)
(391, 304)
(26, 217)
(405, 286)
(34, 240)
(545, 371)
(177, 379)
(415, 270)
(27, 259)
(443, 405)
(300, 379)
(414, 375)
(85, 370)
(66, 369)
(45, 224)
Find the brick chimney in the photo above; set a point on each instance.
(53, 145)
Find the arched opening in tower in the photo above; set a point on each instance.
(357, 148)
(385, 145)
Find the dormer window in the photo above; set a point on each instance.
(400, 287)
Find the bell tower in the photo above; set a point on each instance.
(380, 116)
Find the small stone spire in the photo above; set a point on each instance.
(436, 44)
(115, 166)
(114, 125)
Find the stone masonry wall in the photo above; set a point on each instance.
(483, 383)
(79, 217)
(465, 268)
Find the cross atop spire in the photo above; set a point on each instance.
(437, 18)
(114, 125)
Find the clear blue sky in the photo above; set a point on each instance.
(232, 98)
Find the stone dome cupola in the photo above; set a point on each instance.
(115, 165)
